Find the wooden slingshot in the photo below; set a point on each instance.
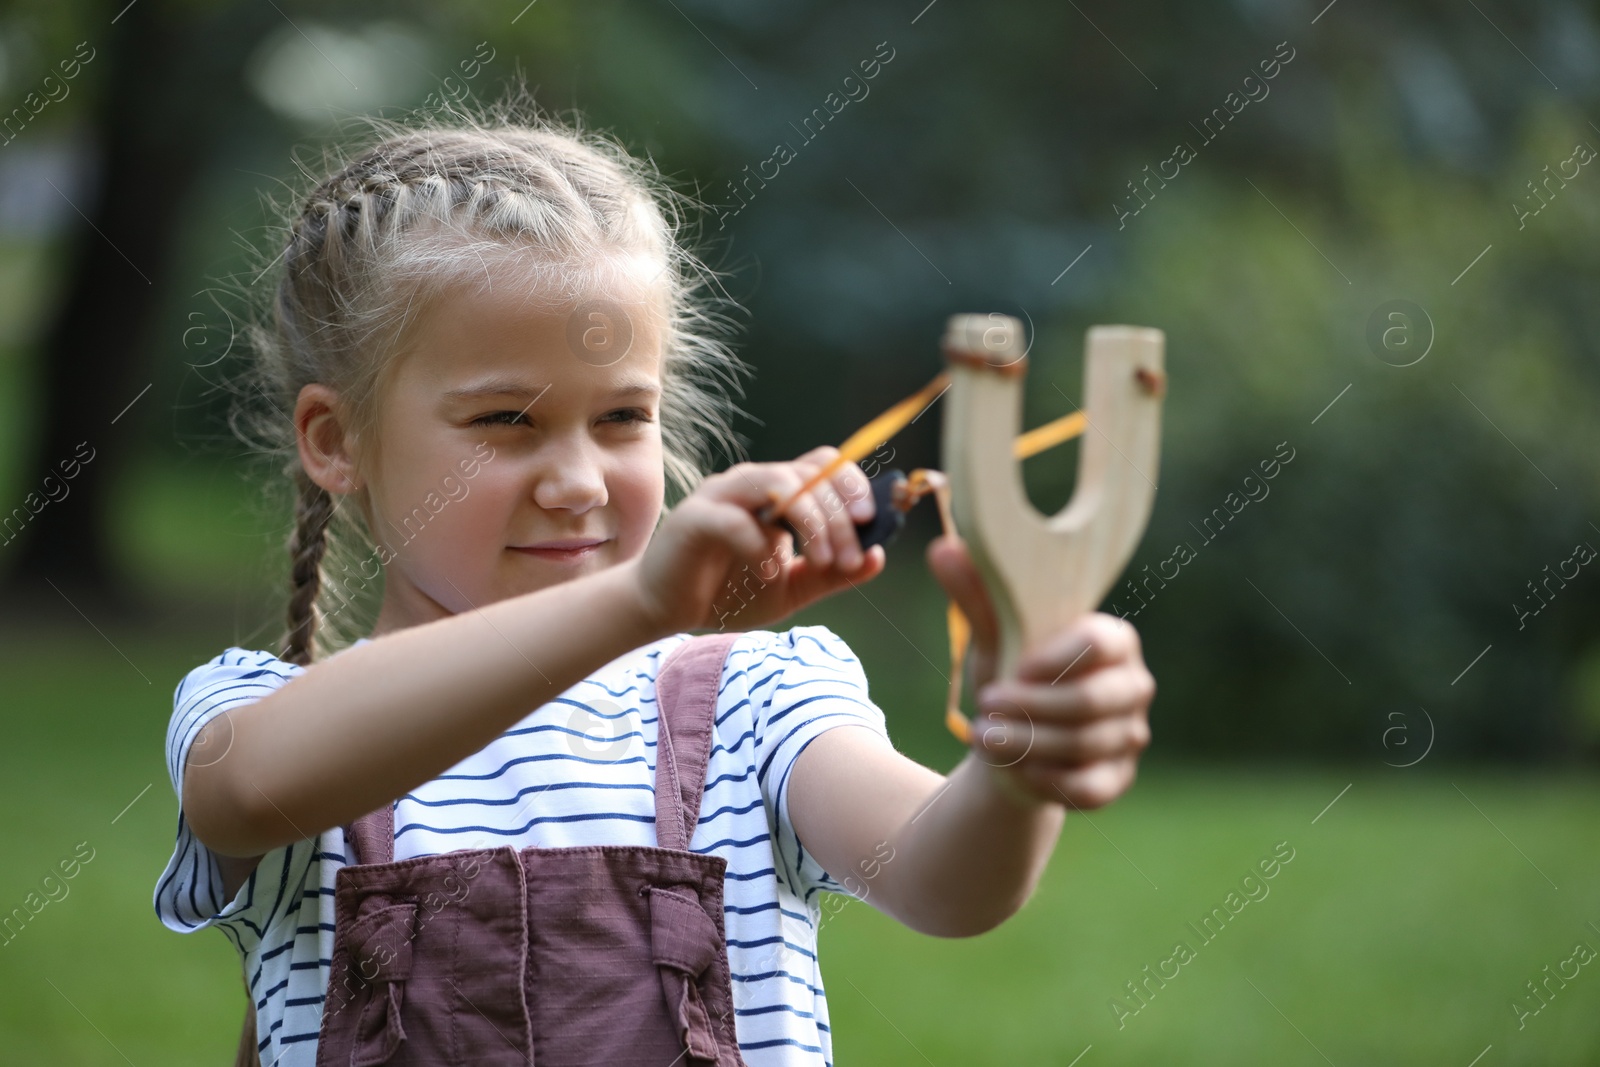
(1041, 572)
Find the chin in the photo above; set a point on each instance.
(532, 576)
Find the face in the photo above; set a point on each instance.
(516, 447)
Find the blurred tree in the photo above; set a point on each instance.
(992, 164)
(161, 98)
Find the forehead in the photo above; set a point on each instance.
(502, 336)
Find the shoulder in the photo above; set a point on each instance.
(793, 676)
(234, 664)
(797, 650)
(233, 677)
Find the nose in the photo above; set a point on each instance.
(570, 475)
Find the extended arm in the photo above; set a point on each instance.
(365, 726)
(957, 856)
(963, 852)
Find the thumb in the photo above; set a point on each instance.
(952, 565)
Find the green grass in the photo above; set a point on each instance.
(1398, 934)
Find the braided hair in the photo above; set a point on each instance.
(431, 203)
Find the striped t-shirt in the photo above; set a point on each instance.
(578, 770)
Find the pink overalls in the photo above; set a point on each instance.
(556, 957)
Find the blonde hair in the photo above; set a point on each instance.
(430, 202)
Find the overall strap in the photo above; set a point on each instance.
(372, 836)
(686, 709)
(686, 705)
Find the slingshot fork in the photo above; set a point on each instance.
(1042, 572)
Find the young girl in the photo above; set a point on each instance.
(494, 830)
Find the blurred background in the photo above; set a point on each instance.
(1369, 233)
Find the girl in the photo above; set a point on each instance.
(527, 817)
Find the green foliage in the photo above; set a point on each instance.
(987, 156)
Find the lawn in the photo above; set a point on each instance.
(1412, 912)
(1400, 932)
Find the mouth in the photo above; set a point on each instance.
(563, 550)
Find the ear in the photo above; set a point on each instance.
(327, 445)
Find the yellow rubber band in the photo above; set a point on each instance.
(875, 433)
(866, 440)
(1049, 435)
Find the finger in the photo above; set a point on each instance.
(750, 485)
(1107, 692)
(1092, 641)
(1002, 740)
(952, 565)
(849, 481)
(853, 486)
(1094, 786)
(1066, 747)
(808, 583)
(818, 458)
(841, 532)
(755, 485)
(807, 515)
(812, 513)
(738, 529)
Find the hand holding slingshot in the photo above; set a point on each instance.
(1041, 572)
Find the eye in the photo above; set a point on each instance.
(498, 418)
(629, 415)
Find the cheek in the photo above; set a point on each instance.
(637, 493)
(480, 517)
(425, 524)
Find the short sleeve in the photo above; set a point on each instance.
(189, 895)
(805, 682)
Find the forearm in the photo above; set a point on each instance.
(972, 855)
(361, 728)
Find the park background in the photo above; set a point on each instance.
(1353, 666)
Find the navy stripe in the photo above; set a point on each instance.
(603, 739)
(797, 705)
(233, 936)
(283, 885)
(788, 1041)
(742, 702)
(586, 707)
(767, 976)
(500, 802)
(730, 778)
(617, 692)
(826, 651)
(729, 809)
(272, 953)
(534, 759)
(514, 831)
(770, 1008)
(771, 905)
(773, 941)
(732, 843)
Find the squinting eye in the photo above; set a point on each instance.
(498, 418)
(630, 415)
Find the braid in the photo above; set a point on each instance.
(313, 509)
